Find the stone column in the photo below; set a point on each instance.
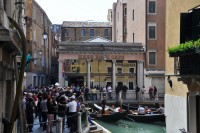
(113, 74)
(140, 73)
(88, 74)
(79, 126)
(60, 73)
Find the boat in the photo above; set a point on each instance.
(134, 107)
(110, 115)
(146, 118)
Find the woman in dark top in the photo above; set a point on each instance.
(51, 106)
(29, 112)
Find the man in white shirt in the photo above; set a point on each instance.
(109, 89)
(141, 110)
(72, 114)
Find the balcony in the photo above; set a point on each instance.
(186, 58)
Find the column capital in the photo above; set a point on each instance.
(60, 60)
(88, 60)
(114, 61)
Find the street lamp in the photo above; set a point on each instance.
(44, 35)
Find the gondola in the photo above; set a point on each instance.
(146, 118)
(110, 115)
(134, 107)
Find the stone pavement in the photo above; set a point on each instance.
(38, 129)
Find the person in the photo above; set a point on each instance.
(118, 89)
(137, 89)
(72, 114)
(51, 106)
(62, 100)
(109, 89)
(29, 112)
(141, 110)
(124, 90)
(86, 93)
(154, 91)
(44, 110)
(161, 109)
(151, 93)
(104, 91)
(143, 91)
(30, 87)
(103, 104)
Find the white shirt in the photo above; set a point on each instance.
(109, 89)
(72, 106)
(141, 110)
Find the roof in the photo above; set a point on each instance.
(98, 39)
(85, 24)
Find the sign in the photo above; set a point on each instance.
(126, 64)
(101, 57)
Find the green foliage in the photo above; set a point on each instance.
(184, 46)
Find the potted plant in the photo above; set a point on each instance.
(187, 48)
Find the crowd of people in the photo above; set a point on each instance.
(49, 102)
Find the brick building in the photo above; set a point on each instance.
(143, 21)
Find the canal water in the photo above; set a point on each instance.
(124, 126)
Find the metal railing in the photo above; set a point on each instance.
(130, 96)
(82, 122)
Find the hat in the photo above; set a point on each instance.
(72, 97)
(57, 84)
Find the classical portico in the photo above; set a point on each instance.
(101, 64)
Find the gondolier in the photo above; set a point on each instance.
(103, 104)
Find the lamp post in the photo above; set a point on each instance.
(44, 35)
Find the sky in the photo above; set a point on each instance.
(76, 10)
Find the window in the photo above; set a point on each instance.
(43, 60)
(133, 37)
(34, 56)
(131, 70)
(133, 15)
(152, 58)
(125, 11)
(34, 35)
(91, 32)
(83, 32)
(66, 32)
(152, 6)
(109, 69)
(119, 61)
(105, 32)
(130, 85)
(152, 31)
(125, 30)
(119, 70)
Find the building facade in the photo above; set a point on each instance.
(143, 22)
(10, 47)
(182, 24)
(88, 57)
(99, 64)
(82, 31)
(40, 49)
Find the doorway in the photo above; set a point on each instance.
(76, 80)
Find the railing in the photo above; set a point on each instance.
(82, 122)
(130, 96)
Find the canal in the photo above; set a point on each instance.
(124, 126)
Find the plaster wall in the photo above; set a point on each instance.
(176, 115)
(118, 22)
(136, 26)
(173, 10)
